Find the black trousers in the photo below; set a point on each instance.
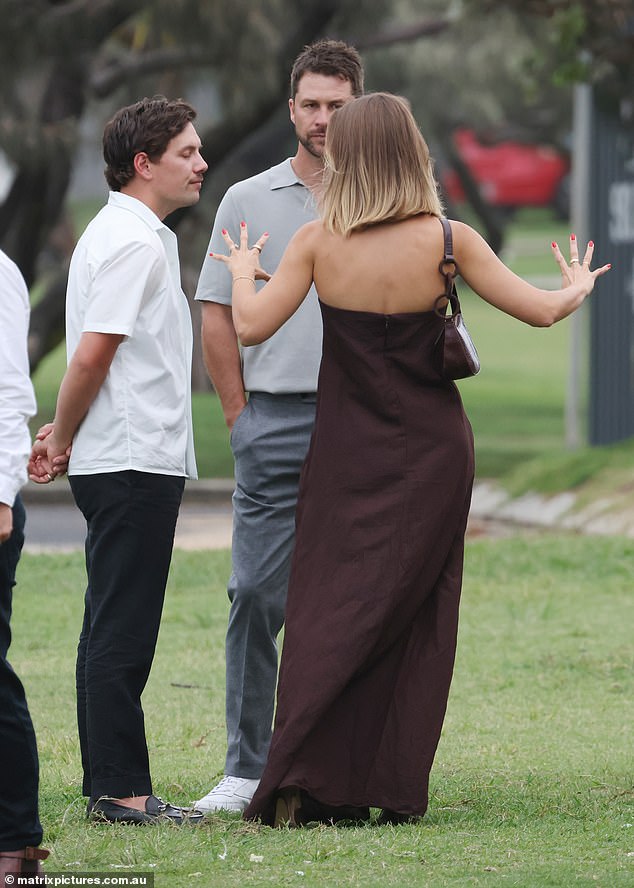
(131, 519)
(19, 770)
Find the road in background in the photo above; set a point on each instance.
(55, 524)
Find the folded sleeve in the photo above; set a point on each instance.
(120, 287)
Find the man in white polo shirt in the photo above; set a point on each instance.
(271, 430)
(124, 406)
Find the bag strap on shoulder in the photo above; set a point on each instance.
(446, 227)
(448, 267)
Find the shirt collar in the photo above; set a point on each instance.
(284, 175)
(127, 202)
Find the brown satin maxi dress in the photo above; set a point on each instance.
(372, 612)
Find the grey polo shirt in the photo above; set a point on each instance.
(278, 202)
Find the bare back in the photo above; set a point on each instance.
(389, 269)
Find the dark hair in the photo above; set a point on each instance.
(334, 58)
(149, 126)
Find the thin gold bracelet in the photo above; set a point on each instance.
(243, 277)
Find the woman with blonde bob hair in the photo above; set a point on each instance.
(377, 174)
(372, 612)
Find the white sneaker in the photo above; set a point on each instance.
(230, 794)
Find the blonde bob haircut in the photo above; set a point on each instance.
(377, 166)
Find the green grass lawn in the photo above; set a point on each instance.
(516, 403)
(532, 785)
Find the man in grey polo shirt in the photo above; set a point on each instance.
(270, 430)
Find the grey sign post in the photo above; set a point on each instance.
(611, 213)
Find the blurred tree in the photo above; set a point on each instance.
(65, 61)
(506, 70)
(478, 73)
(589, 40)
(61, 59)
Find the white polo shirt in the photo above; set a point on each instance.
(125, 278)
(17, 401)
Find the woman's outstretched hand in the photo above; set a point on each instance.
(576, 272)
(244, 261)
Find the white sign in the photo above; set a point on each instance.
(621, 209)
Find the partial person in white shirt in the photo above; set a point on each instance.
(124, 406)
(20, 828)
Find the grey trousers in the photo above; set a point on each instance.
(269, 441)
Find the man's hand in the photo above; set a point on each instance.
(84, 377)
(232, 415)
(6, 522)
(48, 457)
(39, 469)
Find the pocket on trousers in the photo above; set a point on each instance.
(234, 437)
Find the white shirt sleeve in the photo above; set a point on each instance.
(113, 306)
(17, 400)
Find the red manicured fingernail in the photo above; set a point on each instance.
(211, 254)
(224, 230)
(609, 265)
(554, 245)
(243, 225)
(590, 243)
(573, 237)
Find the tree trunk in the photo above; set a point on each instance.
(490, 217)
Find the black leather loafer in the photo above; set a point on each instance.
(108, 810)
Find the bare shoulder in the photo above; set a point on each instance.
(308, 238)
(463, 233)
(309, 232)
(466, 240)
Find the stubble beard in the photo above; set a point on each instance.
(310, 146)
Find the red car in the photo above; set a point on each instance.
(512, 174)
